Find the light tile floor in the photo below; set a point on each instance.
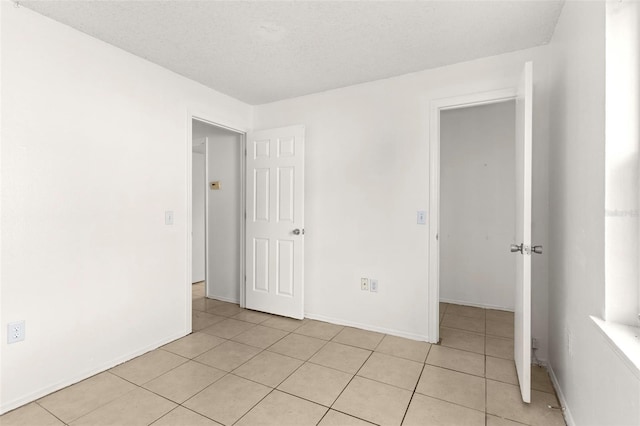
(241, 367)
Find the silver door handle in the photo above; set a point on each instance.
(516, 248)
(298, 231)
(537, 249)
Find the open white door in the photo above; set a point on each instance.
(275, 221)
(522, 247)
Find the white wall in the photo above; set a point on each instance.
(477, 205)
(95, 147)
(366, 176)
(595, 384)
(622, 156)
(225, 214)
(198, 214)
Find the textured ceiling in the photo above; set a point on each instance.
(264, 51)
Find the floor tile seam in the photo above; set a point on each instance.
(361, 329)
(150, 380)
(354, 416)
(252, 357)
(273, 387)
(307, 335)
(457, 403)
(456, 371)
(508, 419)
(476, 333)
(303, 360)
(350, 345)
(101, 405)
(328, 407)
(256, 323)
(205, 351)
(260, 347)
(194, 411)
(276, 328)
(498, 336)
(388, 384)
(47, 410)
(350, 380)
(413, 394)
(254, 405)
(403, 358)
(554, 393)
(188, 398)
(230, 337)
(461, 349)
(467, 316)
(463, 329)
(464, 350)
(333, 368)
(202, 390)
(323, 416)
(165, 414)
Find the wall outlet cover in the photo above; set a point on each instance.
(15, 331)
(364, 284)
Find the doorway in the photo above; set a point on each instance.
(218, 210)
(477, 207)
(522, 248)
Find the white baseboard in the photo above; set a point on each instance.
(46, 390)
(224, 299)
(563, 401)
(477, 305)
(384, 330)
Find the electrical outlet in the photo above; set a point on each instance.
(534, 343)
(373, 285)
(15, 331)
(364, 284)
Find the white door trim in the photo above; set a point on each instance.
(435, 107)
(217, 122)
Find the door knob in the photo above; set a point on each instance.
(516, 248)
(537, 249)
(298, 232)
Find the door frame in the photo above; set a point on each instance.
(435, 107)
(216, 122)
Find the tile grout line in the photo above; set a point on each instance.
(45, 409)
(415, 387)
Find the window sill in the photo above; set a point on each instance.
(625, 341)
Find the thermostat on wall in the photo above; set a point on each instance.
(214, 185)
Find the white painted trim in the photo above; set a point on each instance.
(207, 273)
(384, 330)
(623, 340)
(33, 396)
(568, 418)
(477, 305)
(220, 123)
(435, 106)
(243, 210)
(188, 325)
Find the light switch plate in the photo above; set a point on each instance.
(168, 217)
(422, 217)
